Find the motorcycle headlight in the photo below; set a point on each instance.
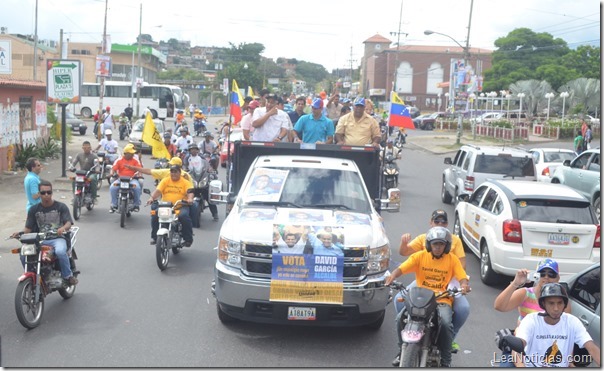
(28, 250)
(164, 212)
(203, 183)
(124, 185)
(229, 252)
(378, 259)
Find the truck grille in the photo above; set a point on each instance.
(256, 261)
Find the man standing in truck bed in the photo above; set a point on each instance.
(358, 128)
(270, 123)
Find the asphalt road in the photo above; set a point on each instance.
(126, 313)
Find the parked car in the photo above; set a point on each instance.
(487, 117)
(236, 134)
(584, 290)
(593, 120)
(417, 121)
(414, 111)
(512, 224)
(136, 136)
(473, 165)
(582, 174)
(429, 123)
(548, 159)
(77, 125)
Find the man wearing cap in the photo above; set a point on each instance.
(183, 141)
(198, 167)
(119, 169)
(108, 122)
(170, 147)
(358, 128)
(315, 127)
(109, 145)
(246, 120)
(173, 189)
(270, 123)
(461, 306)
(246, 103)
(334, 107)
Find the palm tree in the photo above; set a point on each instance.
(534, 91)
(583, 91)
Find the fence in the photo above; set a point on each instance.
(518, 133)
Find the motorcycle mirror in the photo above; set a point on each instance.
(514, 342)
(146, 191)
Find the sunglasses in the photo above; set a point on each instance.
(44, 193)
(440, 221)
(550, 274)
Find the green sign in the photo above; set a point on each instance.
(63, 81)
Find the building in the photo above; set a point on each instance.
(422, 73)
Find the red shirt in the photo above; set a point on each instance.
(121, 170)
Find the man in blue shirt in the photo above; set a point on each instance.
(323, 244)
(315, 127)
(31, 182)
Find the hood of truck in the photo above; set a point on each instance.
(257, 224)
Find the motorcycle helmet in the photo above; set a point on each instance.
(550, 290)
(193, 146)
(207, 134)
(167, 135)
(441, 234)
(183, 129)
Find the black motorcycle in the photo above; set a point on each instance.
(125, 199)
(201, 189)
(125, 129)
(421, 327)
(390, 172)
(42, 275)
(82, 193)
(199, 125)
(213, 159)
(104, 169)
(400, 140)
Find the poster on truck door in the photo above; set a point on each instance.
(308, 264)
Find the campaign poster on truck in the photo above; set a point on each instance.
(308, 264)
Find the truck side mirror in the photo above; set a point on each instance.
(392, 204)
(448, 160)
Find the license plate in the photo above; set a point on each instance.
(79, 179)
(301, 314)
(125, 185)
(558, 239)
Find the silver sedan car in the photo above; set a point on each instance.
(584, 293)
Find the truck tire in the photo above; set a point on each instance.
(223, 317)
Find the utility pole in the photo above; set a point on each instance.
(398, 44)
(139, 69)
(36, 45)
(102, 87)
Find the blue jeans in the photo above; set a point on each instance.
(60, 247)
(184, 218)
(115, 187)
(461, 309)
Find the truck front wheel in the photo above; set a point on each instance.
(223, 317)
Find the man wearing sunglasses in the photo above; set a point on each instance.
(461, 306)
(51, 215)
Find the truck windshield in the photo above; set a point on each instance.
(305, 187)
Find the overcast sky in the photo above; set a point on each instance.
(319, 32)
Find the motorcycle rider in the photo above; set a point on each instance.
(110, 146)
(129, 111)
(119, 169)
(183, 141)
(461, 306)
(434, 268)
(87, 160)
(549, 337)
(209, 146)
(172, 149)
(197, 166)
(123, 120)
(172, 189)
(50, 214)
(198, 119)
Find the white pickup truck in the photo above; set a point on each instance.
(312, 207)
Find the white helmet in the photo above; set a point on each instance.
(108, 132)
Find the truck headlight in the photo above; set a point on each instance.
(229, 252)
(378, 259)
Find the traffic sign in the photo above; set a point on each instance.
(63, 81)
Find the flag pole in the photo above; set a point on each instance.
(229, 162)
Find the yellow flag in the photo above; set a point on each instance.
(152, 137)
(250, 92)
(394, 98)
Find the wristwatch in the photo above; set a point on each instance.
(281, 138)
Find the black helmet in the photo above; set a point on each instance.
(193, 146)
(550, 290)
(441, 234)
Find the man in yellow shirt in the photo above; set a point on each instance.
(172, 189)
(434, 268)
(357, 128)
(461, 306)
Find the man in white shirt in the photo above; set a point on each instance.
(183, 141)
(270, 123)
(109, 145)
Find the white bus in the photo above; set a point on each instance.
(162, 100)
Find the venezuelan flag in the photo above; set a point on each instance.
(399, 113)
(236, 101)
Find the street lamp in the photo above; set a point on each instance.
(503, 93)
(482, 95)
(549, 97)
(446, 101)
(492, 95)
(472, 97)
(245, 66)
(564, 95)
(520, 95)
(466, 57)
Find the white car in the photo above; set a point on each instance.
(136, 136)
(548, 159)
(514, 224)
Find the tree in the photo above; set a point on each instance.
(534, 91)
(585, 60)
(584, 93)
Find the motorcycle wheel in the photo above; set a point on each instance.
(162, 252)
(410, 355)
(99, 179)
(123, 211)
(67, 292)
(90, 205)
(28, 311)
(77, 207)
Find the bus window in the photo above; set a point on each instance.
(90, 90)
(166, 100)
(117, 91)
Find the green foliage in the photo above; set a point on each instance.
(501, 124)
(48, 149)
(23, 153)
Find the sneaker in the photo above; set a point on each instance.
(112, 209)
(72, 280)
(187, 243)
(215, 217)
(153, 241)
(397, 360)
(135, 208)
(454, 347)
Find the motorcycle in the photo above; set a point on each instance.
(125, 202)
(401, 139)
(421, 326)
(201, 186)
(82, 195)
(199, 125)
(213, 159)
(125, 129)
(390, 172)
(42, 275)
(169, 234)
(104, 170)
